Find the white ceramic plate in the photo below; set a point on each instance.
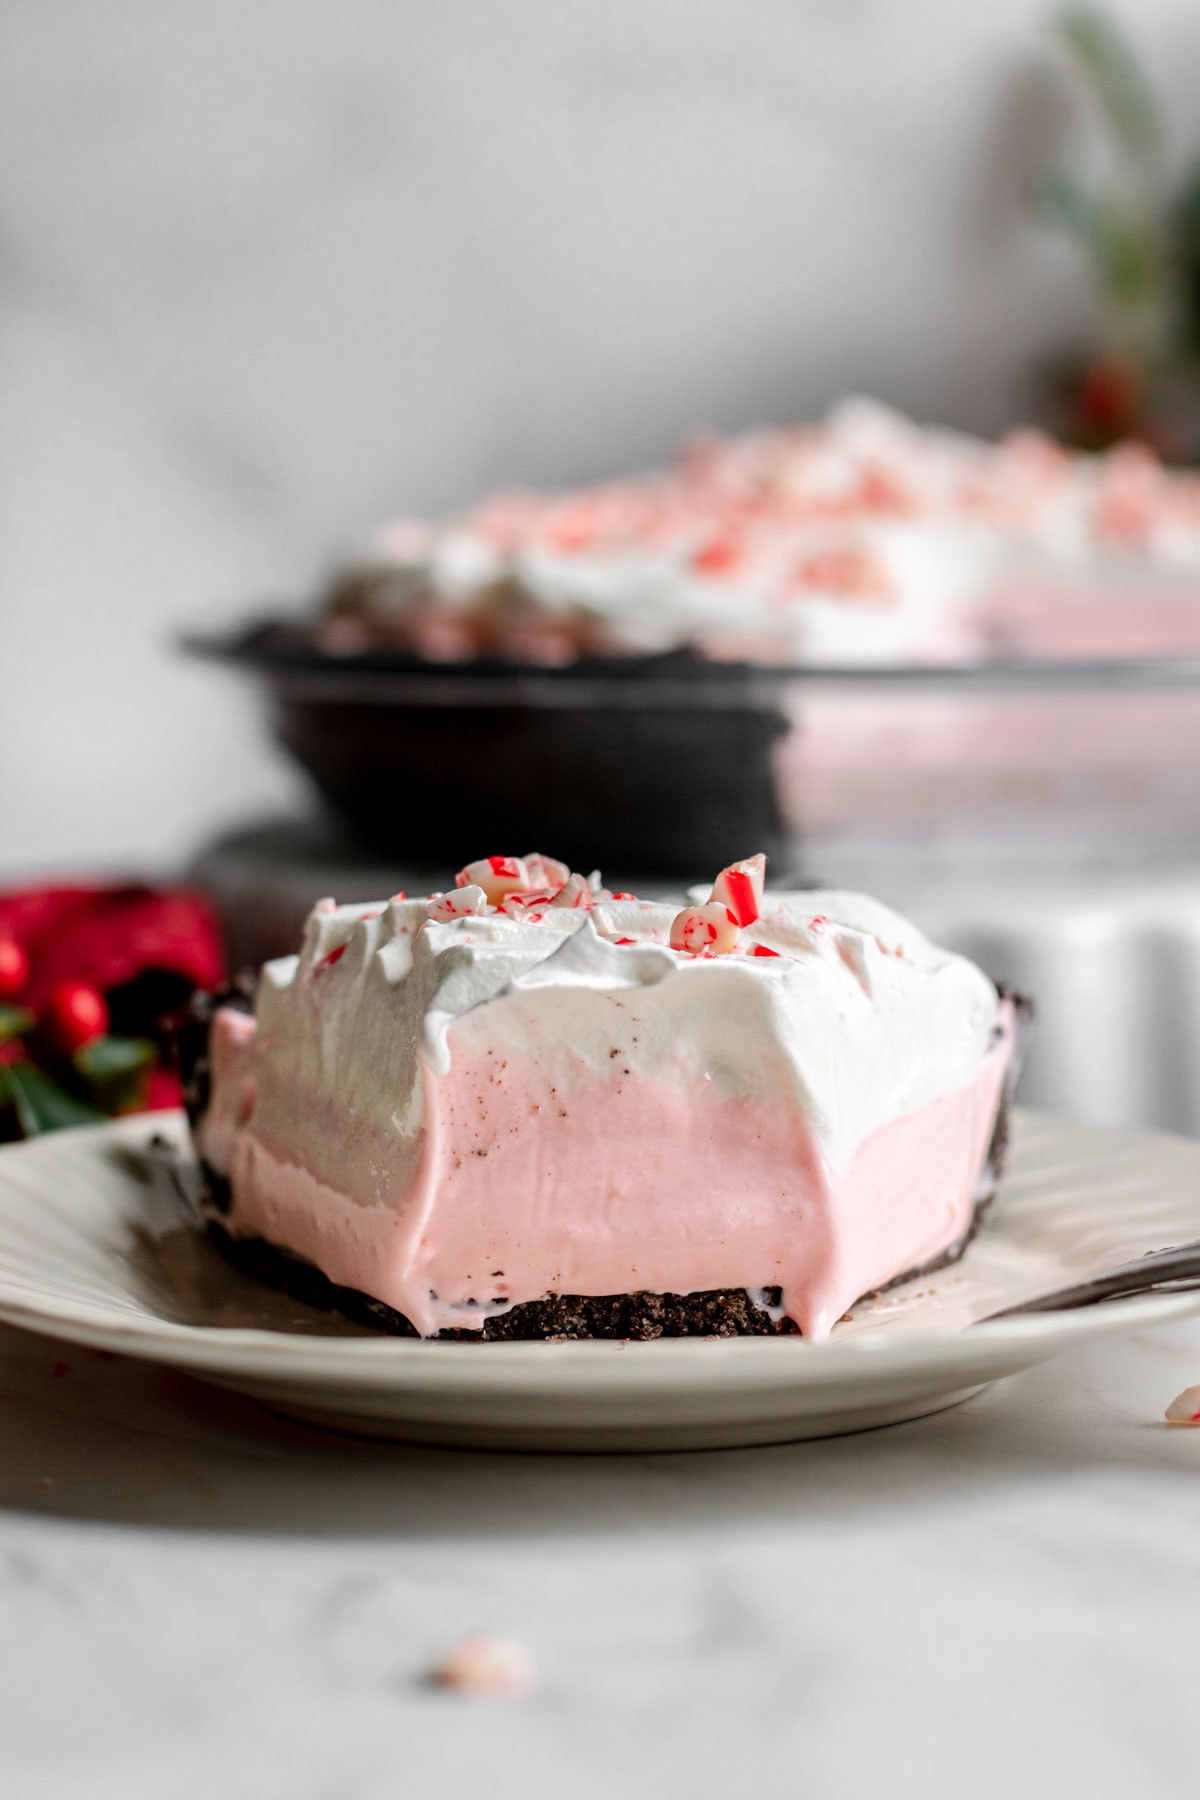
(97, 1247)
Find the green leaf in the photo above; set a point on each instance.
(1129, 253)
(112, 1058)
(1185, 219)
(1110, 66)
(1184, 245)
(113, 1069)
(14, 1021)
(41, 1104)
(1065, 201)
(1123, 240)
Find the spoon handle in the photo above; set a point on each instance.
(1160, 1271)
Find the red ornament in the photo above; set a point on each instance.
(14, 967)
(75, 1013)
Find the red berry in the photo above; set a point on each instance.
(74, 1014)
(1109, 397)
(14, 967)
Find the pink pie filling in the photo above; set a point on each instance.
(522, 1184)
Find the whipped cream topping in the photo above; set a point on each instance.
(829, 996)
(865, 540)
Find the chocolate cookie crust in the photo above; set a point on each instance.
(721, 1312)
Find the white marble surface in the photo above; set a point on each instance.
(269, 270)
(198, 1599)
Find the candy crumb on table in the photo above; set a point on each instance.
(492, 1667)
(1184, 1408)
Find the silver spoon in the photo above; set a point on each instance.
(1170, 1271)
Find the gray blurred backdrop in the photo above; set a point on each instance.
(271, 269)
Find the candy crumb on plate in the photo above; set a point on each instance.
(485, 1666)
(1184, 1408)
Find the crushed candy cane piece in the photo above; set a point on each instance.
(545, 871)
(459, 903)
(764, 950)
(484, 1665)
(718, 555)
(1184, 1408)
(517, 906)
(335, 956)
(704, 930)
(574, 892)
(740, 888)
(498, 876)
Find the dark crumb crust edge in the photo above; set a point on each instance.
(717, 1312)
